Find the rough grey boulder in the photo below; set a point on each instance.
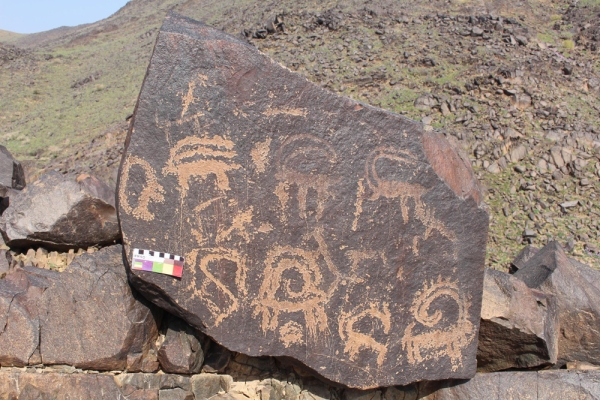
(314, 227)
(90, 318)
(524, 255)
(59, 212)
(11, 172)
(86, 316)
(12, 178)
(576, 288)
(519, 325)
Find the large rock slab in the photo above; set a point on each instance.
(19, 316)
(86, 316)
(576, 288)
(336, 234)
(59, 212)
(519, 325)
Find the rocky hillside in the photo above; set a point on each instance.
(516, 84)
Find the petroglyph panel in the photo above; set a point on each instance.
(313, 227)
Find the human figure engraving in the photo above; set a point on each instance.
(431, 336)
(294, 282)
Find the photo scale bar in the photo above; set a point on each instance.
(159, 262)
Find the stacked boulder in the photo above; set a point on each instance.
(61, 213)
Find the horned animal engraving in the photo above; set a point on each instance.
(408, 167)
(431, 336)
(354, 340)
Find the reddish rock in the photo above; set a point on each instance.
(576, 288)
(32, 386)
(182, 351)
(91, 319)
(20, 295)
(519, 325)
(86, 316)
(59, 213)
(49, 386)
(313, 227)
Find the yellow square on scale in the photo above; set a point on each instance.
(167, 269)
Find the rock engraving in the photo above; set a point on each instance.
(424, 338)
(313, 227)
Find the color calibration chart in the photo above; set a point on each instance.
(153, 261)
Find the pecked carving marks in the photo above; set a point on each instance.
(306, 162)
(213, 290)
(309, 222)
(151, 191)
(433, 336)
(260, 155)
(355, 341)
(293, 282)
(401, 181)
(202, 157)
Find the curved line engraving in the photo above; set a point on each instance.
(195, 156)
(425, 339)
(152, 190)
(220, 307)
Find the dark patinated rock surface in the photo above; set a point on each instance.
(313, 226)
(519, 325)
(19, 298)
(86, 316)
(576, 288)
(59, 212)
